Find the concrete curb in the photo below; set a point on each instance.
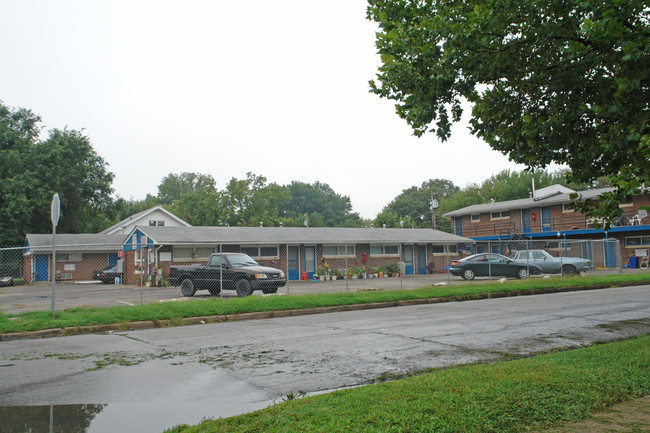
(202, 320)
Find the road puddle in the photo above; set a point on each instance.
(150, 417)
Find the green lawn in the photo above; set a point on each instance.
(514, 396)
(176, 311)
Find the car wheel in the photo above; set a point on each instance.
(270, 290)
(214, 291)
(569, 270)
(187, 287)
(468, 274)
(522, 273)
(243, 287)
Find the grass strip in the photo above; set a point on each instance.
(92, 316)
(515, 396)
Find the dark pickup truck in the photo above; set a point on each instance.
(232, 271)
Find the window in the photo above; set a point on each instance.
(261, 252)
(475, 218)
(384, 250)
(187, 253)
(156, 223)
(161, 223)
(499, 215)
(338, 251)
(567, 207)
(637, 241)
(69, 257)
(440, 249)
(216, 261)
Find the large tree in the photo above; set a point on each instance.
(550, 81)
(320, 204)
(32, 170)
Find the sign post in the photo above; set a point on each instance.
(56, 211)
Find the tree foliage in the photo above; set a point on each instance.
(319, 204)
(251, 201)
(32, 170)
(412, 208)
(550, 81)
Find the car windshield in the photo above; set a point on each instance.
(241, 260)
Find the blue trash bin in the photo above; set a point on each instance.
(634, 262)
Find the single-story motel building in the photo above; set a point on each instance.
(299, 251)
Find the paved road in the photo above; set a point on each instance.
(240, 366)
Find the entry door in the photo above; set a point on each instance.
(610, 253)
(408, 259)
(422, 259)
(459, 227)
(294, 263)
(41, 267)
(546, 219)
(525, 220)
(310, 261)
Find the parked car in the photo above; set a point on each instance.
(496, 265)
(6, 279)
(107, 275)
(550, 264)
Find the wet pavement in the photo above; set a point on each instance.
(154, 377)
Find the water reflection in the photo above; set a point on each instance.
(151, 417)
(72, 418)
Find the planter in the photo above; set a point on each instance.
(334, 277)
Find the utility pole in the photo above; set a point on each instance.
(434, 206)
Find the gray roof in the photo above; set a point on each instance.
(75, 242)
(525, 203)
(296, 235)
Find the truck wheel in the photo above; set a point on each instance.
(243, 287)
(187, 287)
(568, 270)
(214, 291)
(270, 290)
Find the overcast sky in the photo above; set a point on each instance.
(277, 88)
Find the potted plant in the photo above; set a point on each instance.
(322, 272)
(393, 269)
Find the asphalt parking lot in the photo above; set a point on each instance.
(37, 297)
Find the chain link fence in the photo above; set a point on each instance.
(560, 255)
(83, 271)
(77, 263)
(109, 264)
